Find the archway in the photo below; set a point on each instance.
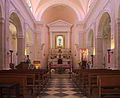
(90, 43)
(105, 34)
(13, 42)
(15, 39)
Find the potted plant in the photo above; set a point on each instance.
(60, 70)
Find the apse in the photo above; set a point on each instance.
(59, 12)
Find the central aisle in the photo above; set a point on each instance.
(61, 86)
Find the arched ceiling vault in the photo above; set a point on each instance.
(79, 6)
(59, 12)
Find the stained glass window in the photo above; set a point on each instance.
(60, 41)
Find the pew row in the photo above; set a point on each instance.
(86, 80)
(32, 82)
(108, 86)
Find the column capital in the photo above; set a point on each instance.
(82, 31)
(20, 35)
(99, 35)
(38, 33)
(2, 20)
(118, 20)
(80, 23)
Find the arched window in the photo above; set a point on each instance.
(59, 41)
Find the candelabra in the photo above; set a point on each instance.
(92, 61)
(11, 52)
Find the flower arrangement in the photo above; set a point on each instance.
(60, 70)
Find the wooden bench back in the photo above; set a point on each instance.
(109, 80)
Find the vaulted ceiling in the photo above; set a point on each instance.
(80, 7)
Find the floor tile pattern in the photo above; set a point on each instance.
(61, 87)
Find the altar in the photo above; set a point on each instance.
(60, 59)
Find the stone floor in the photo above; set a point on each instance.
(61, 86)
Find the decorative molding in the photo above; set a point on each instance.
(118, 20)
(59, 25)
(39, 23)
(2, 20)
(80, 23)
(99, 35)
(20, 35)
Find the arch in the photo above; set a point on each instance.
(91, 38)
(14, 18)
(59, 12)
(104, 42)
(15, 37)
(13, 41)
(104, 24)
(48, 4)
(90, 44)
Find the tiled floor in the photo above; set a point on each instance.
(61, 86)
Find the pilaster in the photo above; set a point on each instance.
(20, 47)
(2, 23)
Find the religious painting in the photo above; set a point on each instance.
(59, 41)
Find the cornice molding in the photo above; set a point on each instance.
(59, 23)
(118, 20)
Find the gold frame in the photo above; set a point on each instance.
(56, 41)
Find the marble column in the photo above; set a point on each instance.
(6, 35)
(21, 47)
(68, 39)
(1, 43)
(51, 40)
(118, 44)
(99, 53)
(38, 47)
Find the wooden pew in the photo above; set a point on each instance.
(92, 80)
(87, 79)
(80, 77)
(28, 79)
(108, 86)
